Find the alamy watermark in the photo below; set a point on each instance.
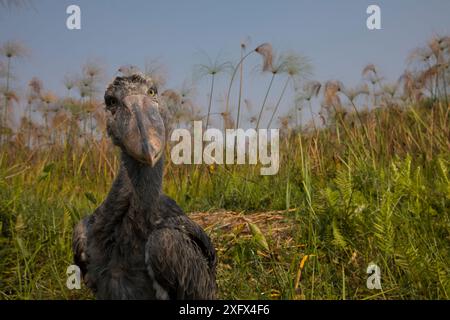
(73, 281)
(373, 22)
(374, 279)
(73, 21)
(237, 146)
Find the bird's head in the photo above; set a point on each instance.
(135, 123)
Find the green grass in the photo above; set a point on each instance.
(378, 193)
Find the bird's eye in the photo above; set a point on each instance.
(110, 101)
(151, 92)
(111, 104)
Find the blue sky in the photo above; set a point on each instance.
(332, 34)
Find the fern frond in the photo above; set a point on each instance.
(338, 238)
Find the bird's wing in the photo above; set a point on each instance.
(181, 259)
(79, 243)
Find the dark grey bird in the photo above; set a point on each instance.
(138, 244)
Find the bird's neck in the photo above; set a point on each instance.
(145, 184)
